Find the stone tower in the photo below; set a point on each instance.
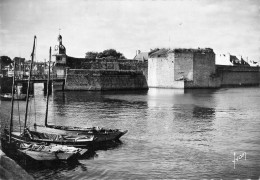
(60, 52)
(60, 58)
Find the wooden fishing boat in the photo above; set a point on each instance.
(82, 141)
(53, 152)
(40, 151)
(101, 134)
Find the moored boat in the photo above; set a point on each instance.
(83, 141)
(101, 134)
(40, 151)
(53, 152)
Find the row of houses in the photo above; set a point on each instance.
(22, 68)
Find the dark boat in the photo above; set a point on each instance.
(101, 134)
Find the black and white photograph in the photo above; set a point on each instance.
(129, 89)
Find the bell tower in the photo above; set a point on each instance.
(60, 52)
(60, 59)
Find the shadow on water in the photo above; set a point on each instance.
(55, 170)
(203, 112)
(90, 96)
(59, 170)
(108, 145)
(97, 101)
(200, 91)
(61, 97)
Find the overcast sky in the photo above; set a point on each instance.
(225, 25)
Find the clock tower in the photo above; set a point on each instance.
(60, 59)
(60, 52)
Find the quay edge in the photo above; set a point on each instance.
(9, 169)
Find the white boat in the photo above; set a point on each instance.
(40, 152)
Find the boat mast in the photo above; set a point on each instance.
(48, 82)
(28, 86)
(12, 110)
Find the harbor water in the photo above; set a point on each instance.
(172, 133)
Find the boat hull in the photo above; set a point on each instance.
(79, 143)
(40, 152)
(48, 156)
(100, 135)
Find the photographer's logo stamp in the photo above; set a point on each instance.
(238, 157)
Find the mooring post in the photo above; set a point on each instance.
(63, 84)
(45, 87)
(49, 86)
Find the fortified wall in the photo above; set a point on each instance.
(84, 79)
(105, 74)
(238, 75)
(195, 68)
(166, 68)
(182, 68)
(108, 64)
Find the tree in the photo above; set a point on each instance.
(106, 54)
(111, 53)
(5, 60)
(91, 55)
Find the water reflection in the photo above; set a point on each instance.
(56, 170)
(78, 108)
(203, 112)
(200, 91)
(185, 117)
(165, 92)
(109, 145)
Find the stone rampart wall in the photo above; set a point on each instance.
(237, 68)
(79, 79)
(107, 64)
(238, 75)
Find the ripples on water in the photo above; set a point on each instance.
(172, 133)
